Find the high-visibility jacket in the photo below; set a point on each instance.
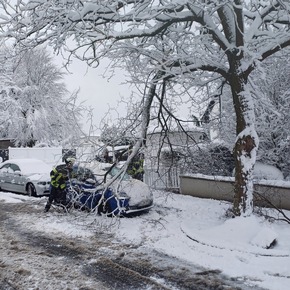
(136, 167)
(58, 176)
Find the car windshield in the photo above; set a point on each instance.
(116, 170)
(82, 173)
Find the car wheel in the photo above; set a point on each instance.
(31, 190)
(107, 209)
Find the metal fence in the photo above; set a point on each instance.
(162, 178)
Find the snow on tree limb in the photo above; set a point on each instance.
(193, 41)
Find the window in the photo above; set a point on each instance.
(14, 167)
(5, 168)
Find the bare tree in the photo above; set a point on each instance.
(198, 40)
(273, 118)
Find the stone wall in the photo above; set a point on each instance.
(222, 188)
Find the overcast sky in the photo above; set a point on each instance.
(102, 93)
(98, 92)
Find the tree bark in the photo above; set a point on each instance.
(246, 143)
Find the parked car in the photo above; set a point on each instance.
(28, 176)
(125, 196)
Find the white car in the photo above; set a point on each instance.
(27, 176)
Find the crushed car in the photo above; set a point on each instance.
(95, 189)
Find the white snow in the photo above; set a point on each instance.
(29, 165)
(191, 229)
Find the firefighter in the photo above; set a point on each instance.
(135, 168)
(59, 175)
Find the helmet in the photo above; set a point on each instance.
(70, 161)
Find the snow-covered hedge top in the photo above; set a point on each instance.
(277, 183)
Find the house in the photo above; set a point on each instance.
(163, 150)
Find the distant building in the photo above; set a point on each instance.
(4, 145)
(160, 144)
(163, 150)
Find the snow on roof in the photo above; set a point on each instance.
(30, 165)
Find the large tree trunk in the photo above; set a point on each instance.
(245, 147)
(247, 141)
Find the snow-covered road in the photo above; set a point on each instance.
(81, 251)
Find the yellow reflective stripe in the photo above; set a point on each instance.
(54, 183)
(58, 177)
(55, 177)
(54, 171)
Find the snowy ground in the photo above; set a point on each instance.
(181, 236)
